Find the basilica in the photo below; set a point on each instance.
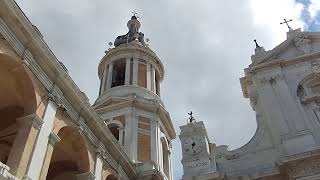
(49, 130)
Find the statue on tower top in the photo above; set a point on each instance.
(133, 34)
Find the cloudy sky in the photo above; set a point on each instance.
(204, 45)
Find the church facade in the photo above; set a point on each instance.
(283, 86)
(48, 128)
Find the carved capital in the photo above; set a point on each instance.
(304, 169)
(53, 138)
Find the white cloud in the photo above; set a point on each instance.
(314, 8)
(269, 13)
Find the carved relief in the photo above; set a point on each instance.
(304, 169)
(302, 43)
(315, 66)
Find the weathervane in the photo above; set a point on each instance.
(286, 22)
(191, 118)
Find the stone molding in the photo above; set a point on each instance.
(304, 169)
(123, 51)
(54, 138)
(33, 119)
(86, 176)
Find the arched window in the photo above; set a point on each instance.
(114, 128)
(165, 157)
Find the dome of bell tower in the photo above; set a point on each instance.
(130, 68)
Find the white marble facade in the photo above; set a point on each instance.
(283, 86)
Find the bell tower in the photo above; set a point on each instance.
(197, 161)
(129, 100)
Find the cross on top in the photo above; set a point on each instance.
(134, 13)
(286, 22)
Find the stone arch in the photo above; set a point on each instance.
(70, 156)
(115, 126)
(16, 85)
(111, 177)
(17, 101)
(165, 156)
(309, 85)
(108, 173)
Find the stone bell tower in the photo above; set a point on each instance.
(129, 100)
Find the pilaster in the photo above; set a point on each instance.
(23, 144)
(53, 140)
(155, 140)
(98, 165)
(131, 135)
(42, 141)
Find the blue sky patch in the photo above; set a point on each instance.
(311, 24)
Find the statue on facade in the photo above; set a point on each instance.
(302, 42)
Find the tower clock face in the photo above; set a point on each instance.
(194, 145)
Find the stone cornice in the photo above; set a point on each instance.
(282, 62)
(48, 69)
(141, 104)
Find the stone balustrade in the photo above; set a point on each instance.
(5, 174)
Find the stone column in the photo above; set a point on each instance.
(98, 166)
(53, 140)
(127, 76)
(155, 141)
(135, 72)
(121, 130)
(22, 147)
(110, 72)
(42, 141)
(103, 81)
(86, 176)
(148, 76)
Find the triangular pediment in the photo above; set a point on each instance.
(298, 43)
